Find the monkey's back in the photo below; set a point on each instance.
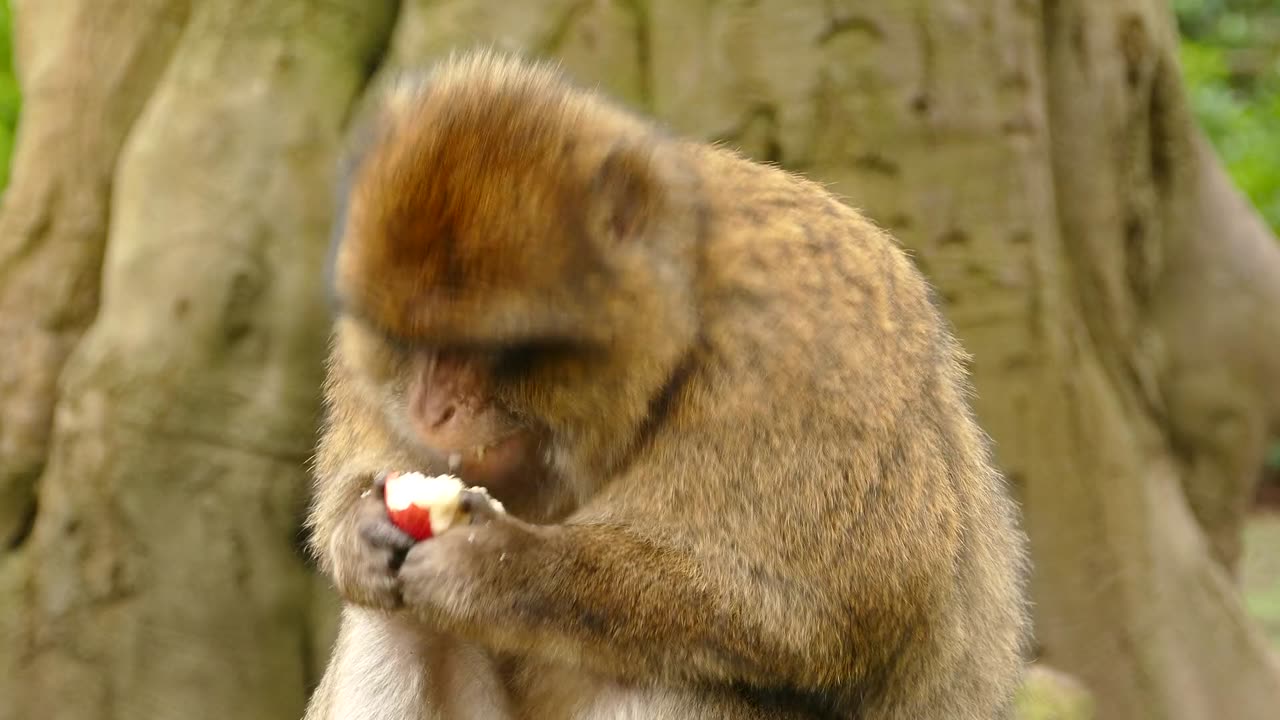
(828, 377)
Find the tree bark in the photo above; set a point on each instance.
(163, 579)
(86, 68)
(1175, 275)
(1177, 281)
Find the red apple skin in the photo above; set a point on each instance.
(414, 520)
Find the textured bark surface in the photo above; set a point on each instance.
(1037, 157)
(86, 68)
(163, 580)
(1176, 284)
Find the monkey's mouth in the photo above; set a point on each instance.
(476, 453)
(491, 462)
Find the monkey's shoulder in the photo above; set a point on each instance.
(778, 235)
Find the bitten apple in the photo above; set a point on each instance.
(423, 506)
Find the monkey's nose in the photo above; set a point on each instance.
(440, 416)
(433, 408)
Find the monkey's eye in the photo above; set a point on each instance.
(516, 361)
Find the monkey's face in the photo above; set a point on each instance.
(526, 269)
(452, 405)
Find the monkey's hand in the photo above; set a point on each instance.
(368, 551)
(445, 572)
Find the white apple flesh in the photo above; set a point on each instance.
(423, 506)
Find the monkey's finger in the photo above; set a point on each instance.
(383, 560)
(478, 505)
(380, 533)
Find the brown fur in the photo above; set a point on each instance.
(766, 495)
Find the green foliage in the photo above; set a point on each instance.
(1231, 63)
(9, 95)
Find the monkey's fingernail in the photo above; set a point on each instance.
(455, 459)
(480, 453)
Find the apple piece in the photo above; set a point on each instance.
(423, 506)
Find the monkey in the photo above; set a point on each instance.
(730, 426)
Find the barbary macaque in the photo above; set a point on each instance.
(730, 430)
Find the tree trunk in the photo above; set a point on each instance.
(86, 68)
(163, 580)
(1038, 158)
(1176, 282)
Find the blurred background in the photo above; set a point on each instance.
(1094, 188)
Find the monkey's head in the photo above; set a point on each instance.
(516, 265)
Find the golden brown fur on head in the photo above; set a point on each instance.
(498, 205)
(477, 184)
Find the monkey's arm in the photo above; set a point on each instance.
(355, 446)
(610, 599)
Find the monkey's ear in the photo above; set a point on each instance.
(627, 192)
